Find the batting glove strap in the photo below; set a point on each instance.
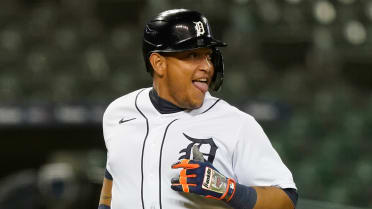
(230, 191)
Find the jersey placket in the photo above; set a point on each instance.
(152, 162)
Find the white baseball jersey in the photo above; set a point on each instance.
(142, 145)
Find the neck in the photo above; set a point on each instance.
(162, 91)
(162, 105)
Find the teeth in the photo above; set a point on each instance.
(202, 80)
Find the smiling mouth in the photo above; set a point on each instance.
(201, 84)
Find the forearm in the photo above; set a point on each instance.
(105, 198)
(262, 198)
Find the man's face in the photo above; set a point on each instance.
(187, 77)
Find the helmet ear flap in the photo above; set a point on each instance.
(218, 75)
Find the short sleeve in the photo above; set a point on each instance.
(256, 162)
(108, 172)
(107, 127)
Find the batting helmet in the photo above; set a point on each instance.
(180, 30)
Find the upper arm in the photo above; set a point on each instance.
(256, 162)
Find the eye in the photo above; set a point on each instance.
(192, 55)
(209, 57)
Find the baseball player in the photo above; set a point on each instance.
(175, 146)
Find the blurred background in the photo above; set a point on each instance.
(303, 68)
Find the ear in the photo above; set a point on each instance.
(158, 63)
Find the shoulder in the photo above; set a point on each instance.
(224, 109)
(247, 128)
(243, 123)
(122, 104)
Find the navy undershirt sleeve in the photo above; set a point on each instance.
(102, 206)
(108, 175)
(292, 193)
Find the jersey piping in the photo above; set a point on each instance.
(161, 152)
(211, 106)
(143, 145)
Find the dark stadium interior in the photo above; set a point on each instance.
(301, 67)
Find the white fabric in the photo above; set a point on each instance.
(243, 151)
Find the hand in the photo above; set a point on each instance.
(200, 177)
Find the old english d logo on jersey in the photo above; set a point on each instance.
(199, 142)
(199, 27)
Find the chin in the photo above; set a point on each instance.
(197, 103)
(194, 100)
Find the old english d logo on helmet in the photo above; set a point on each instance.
(179, 30)
(199, 27)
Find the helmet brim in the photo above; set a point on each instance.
(193, 43)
